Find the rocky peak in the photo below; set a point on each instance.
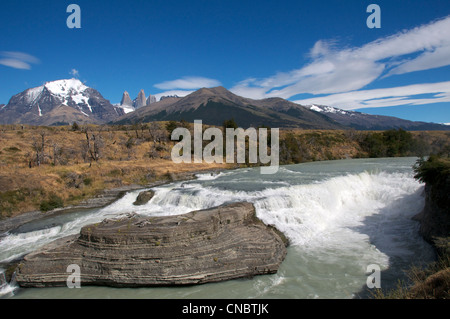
(168, 96)
(151, 99)
(126, 100)
(141, 100)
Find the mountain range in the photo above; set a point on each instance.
(129, 105)
(66, 101)
(215, 105)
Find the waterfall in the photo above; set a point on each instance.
(7, 289)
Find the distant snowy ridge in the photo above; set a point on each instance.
(328, 109)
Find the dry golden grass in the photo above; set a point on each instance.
(24, 185)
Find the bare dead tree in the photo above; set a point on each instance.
(92, 146)
(38, 146)
(57, 152)
(157, 133)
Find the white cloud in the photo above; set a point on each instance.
(74, 73)
(188, 83)
(17, 60)
(335, 71)
(16, 64)
(429, 60)
(404, 95)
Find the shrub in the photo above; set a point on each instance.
(435, 170)
(171, 126)
(75, 127)
(12, 149)
(54, 202)
(87, 181)
(389, 143)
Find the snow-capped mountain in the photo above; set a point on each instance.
(363, 121)
(57, 102)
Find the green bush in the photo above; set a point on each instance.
(87, 181)
(12, 149)
(435, 170)
(171, 126)
(391, 143)
(54, 202)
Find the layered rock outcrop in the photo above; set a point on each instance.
(211, 245)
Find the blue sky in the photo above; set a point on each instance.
(311, 52)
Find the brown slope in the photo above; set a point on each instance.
(64, 115)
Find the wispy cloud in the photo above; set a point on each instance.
(17, 60)
(74, 73)
(343, 71)
(188, 83)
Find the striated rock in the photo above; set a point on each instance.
(217, 244)
(144, 197)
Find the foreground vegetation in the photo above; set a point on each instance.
(42, 168)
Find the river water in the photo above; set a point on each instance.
(340, 217)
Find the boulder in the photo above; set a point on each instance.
(212, 245)
(144, 197)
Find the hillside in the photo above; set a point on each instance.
(215, 105)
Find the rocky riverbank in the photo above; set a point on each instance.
(432, 282)
(217, 244)
(435, 217)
